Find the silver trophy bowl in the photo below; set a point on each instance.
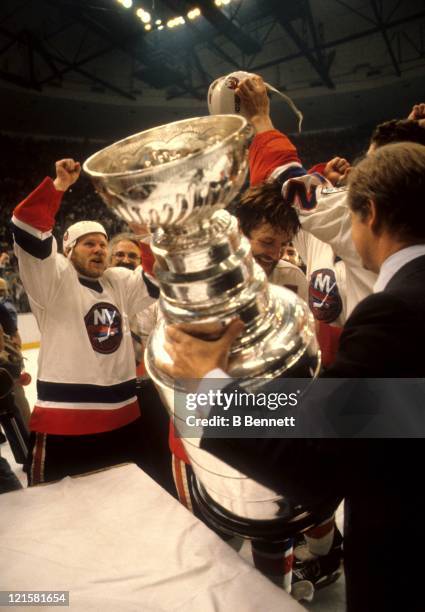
(175, 175)
(176, 178)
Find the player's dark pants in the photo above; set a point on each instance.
(52, 457)
(156, 424)
(144, 442)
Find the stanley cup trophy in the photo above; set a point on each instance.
(178, 178)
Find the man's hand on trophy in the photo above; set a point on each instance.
(193, 357)
(256, 104)
(67, 173)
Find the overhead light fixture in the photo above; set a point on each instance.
(172, 23)
(194, 13)
(143, 15)
(146, 18)
(127, 3)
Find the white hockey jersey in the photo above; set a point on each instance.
(322, 210)
(326, 279)
(86, 369)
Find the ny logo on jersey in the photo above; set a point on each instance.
(104, 316)
(323, 282)
(104, 327)
(323, 296)
(301, 192)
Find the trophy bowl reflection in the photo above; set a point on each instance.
(177, 178)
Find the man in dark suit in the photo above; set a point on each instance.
(383, 338)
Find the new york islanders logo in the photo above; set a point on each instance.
(323, 296)
(300, 192)
(104, 327)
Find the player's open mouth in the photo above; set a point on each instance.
(267, 263)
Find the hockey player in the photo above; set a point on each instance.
(269, 225)
(321, 208)
(86, 416)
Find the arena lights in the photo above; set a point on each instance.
(143, 15)
(172, 23)
(126, 3)
(150, 23)
(222, 2)
(194, 13)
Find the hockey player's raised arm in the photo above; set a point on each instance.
(39, 209)
(32, 222)
(270, 148)
(321, 210)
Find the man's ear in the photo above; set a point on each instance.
(372, 219)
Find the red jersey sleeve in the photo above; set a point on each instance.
(40, 207)
(268, 151)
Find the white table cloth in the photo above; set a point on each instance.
(117, 541)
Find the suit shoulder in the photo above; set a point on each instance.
(381, 338)
(378, 305)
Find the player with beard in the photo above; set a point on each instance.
(86, 415)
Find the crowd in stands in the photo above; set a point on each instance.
(317, 147)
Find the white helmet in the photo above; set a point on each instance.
(79, 229)
(222, 99)
(221, 94)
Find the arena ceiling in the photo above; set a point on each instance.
(314, 50)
